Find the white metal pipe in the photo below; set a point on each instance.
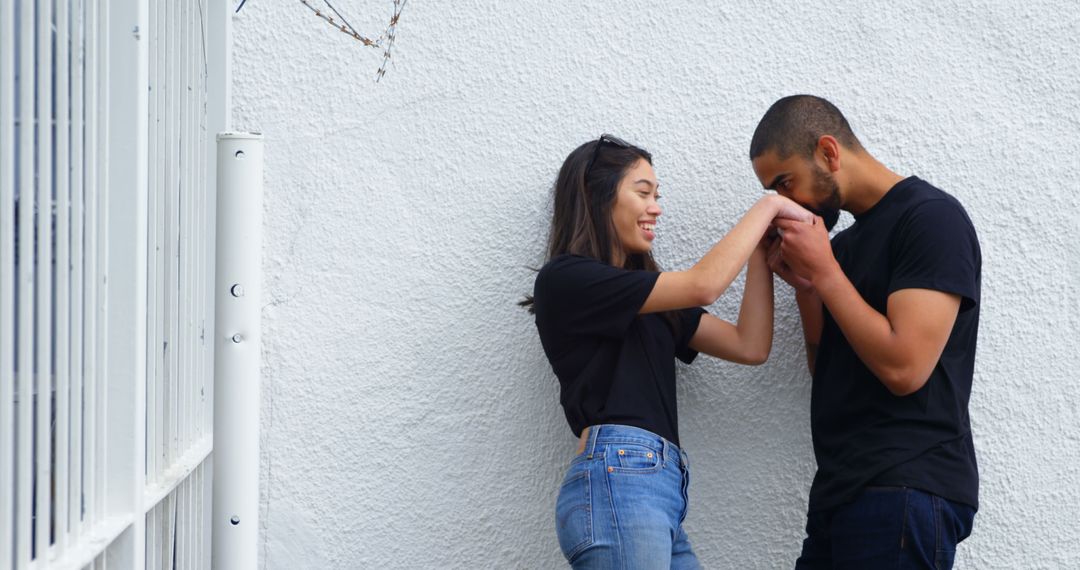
(158, 164)
(124, 232)
(104, 84)
(237, 296)
(189, 521)
(153, 274)
(153, 545)
(159, 340)
(202, 555)
(92, 274)
(182, 515)
(168, 512)
(183, 232)
(75, 485)
(190, 232)
(25, 288)
(7, 281)
(63, 274)
(195, 270)
(217, 58)
(43, 438)
(203, 243)
(172, 233)
(188, 236)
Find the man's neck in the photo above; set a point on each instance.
(868, 182)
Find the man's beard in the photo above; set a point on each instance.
(829, 210)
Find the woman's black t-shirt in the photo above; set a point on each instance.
(614, 365)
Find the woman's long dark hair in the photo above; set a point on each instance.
(585, 195)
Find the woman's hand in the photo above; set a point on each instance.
(789, 209)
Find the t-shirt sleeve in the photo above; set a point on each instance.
(689, 319)
(583, 296)
(936, 248)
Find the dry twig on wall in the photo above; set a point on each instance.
(384, 41)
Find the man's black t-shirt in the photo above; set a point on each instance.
(614, 365)
(917, 237)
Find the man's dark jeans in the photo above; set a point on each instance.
(885, 528)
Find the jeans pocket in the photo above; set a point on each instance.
(573, 514)
(954, 525)
(629, 458)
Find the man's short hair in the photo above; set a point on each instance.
(794, 124)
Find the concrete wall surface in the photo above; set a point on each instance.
(410, 419)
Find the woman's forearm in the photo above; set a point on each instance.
(755, 325)
(719, 267)
(702, 284)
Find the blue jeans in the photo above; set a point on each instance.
(622, 503)
(885, 528)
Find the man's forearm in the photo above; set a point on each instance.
(869, 332)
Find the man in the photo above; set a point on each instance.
(890, 312)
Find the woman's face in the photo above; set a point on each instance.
(636, 208)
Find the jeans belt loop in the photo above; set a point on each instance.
(594, 431)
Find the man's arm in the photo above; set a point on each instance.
(813, 318)
(900, 347)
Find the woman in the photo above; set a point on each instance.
(612, 324)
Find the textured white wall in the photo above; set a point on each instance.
(410, 419)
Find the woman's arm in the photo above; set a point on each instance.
(749, 341)
(703, 283)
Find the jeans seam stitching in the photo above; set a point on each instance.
(614, 513)
(935, 501)
(903, 527)
(685, 488)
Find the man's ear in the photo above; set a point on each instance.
(828, 151)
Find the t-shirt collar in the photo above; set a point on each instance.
(888, 197)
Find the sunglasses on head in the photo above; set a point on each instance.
(605, 138)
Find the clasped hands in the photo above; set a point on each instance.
(799, 251)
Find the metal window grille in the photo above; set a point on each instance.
(107, 110)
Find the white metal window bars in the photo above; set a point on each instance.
(106, 270)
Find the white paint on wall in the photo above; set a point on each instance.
(410, 419)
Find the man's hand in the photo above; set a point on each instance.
(810, 309)
(772, 241)
(806, 250)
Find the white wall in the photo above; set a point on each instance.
(410, 418)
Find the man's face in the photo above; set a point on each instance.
(802, 180)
